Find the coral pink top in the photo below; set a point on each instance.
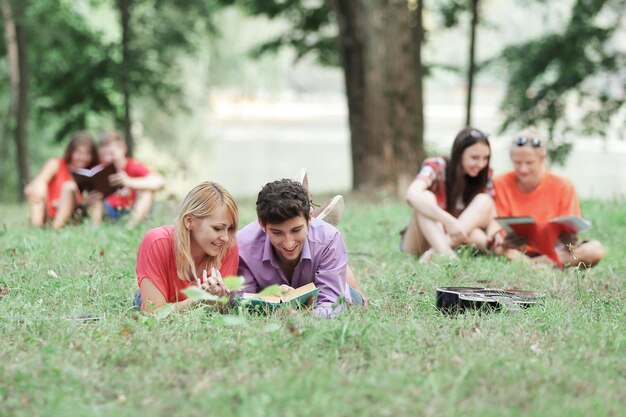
(55, 186)
(156, 260)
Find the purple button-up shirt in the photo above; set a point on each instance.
(323, 261)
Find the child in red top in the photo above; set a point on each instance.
(53, 194)
(531, 190)
(452, 200)
(199, 249)
(138, 182)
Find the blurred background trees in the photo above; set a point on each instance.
(93, 64)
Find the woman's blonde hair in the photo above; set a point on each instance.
(531, 137)
(203, 200)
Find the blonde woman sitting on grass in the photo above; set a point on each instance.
(532, 190)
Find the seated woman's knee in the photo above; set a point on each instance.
(35, 193)
(484, 201)
(591, 252)
(69, 187)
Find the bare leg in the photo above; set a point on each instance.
(413, 240)
(436, 236)
(478, 213)
(95, 208)
(588, 253)
(37, 205)
(141, 208)
(67, 204)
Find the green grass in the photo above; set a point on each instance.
(401, 357)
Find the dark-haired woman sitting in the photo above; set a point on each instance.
(452, 200)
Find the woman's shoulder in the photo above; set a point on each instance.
(54, 164)
(435, 161)
(557, 181)
(158, 233)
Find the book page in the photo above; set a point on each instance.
(277, 299)
(572, 224)
(506, 222)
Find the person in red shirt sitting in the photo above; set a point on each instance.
(532, 190)
(452, 200)
(53, 194)
(198, 249)
(138, 183)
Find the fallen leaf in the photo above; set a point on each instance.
(125, 331)
(536, 349)
(294, 330)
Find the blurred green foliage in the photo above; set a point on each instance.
(579, 66)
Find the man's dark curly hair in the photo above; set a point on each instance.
(282, 200)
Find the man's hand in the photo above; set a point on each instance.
(284, 289)
(119, 179)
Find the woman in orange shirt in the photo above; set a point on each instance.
(53, 194)
(532, 190)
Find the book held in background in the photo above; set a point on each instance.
(298, 297)
(95, 179)
(543, 236)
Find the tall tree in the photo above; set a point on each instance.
(581, 62)
(379, 44)
(379, 47)
(15, 35)
(471, 67)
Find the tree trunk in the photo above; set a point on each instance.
(15, 35)
(124, 6)
(382, 70)
(471, 69)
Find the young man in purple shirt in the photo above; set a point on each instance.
(288, 248)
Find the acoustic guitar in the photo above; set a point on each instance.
(460, 299)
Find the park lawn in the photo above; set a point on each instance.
(401, 357)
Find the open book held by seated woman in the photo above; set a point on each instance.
(452, 200)
(532, 190)
(53, 195)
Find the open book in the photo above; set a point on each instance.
(543, 236)
(298, 297)
(95, 179)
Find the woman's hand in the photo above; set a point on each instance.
(214, 284)
(456, 233)
(495, 242)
